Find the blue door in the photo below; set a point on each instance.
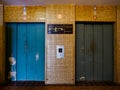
(30, 51)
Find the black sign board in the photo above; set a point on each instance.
(60, 28)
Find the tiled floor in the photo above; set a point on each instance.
(41, 86)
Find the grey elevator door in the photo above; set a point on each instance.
(94, 51)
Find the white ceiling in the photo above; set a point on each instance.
(44, 2)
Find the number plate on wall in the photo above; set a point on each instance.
(60, 28)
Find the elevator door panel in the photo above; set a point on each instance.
(40, 52)
(21, 52)
(88, 52)
(98, 49)
(80, 64)
(94, 52)
(29, 49)
(108, 52)
(31, 60)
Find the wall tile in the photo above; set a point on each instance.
(103, 13)
(60, 71)
(63, 70)
(1, 45)
(15, 14)
(118, 46)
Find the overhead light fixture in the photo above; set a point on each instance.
(24, 10)
(24, 13)
(94, 12)
(95, 9)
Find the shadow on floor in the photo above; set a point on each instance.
(37, 83)
(41, 86)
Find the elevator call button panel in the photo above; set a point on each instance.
(60, 51)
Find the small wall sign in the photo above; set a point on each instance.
(60, 28)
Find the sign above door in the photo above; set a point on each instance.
(60, 28)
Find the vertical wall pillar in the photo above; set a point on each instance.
(60, 71)
(1, 45)
(117, 69)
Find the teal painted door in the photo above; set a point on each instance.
(94, 52)
(21, 52)
(30, 51)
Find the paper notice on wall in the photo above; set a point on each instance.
(12, 75)
(12, 60)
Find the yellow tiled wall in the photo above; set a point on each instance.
(15, 14)
(2, 48)
(118, 46)
(60, 71)
(103, 13)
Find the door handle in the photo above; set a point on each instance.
(37, 56)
